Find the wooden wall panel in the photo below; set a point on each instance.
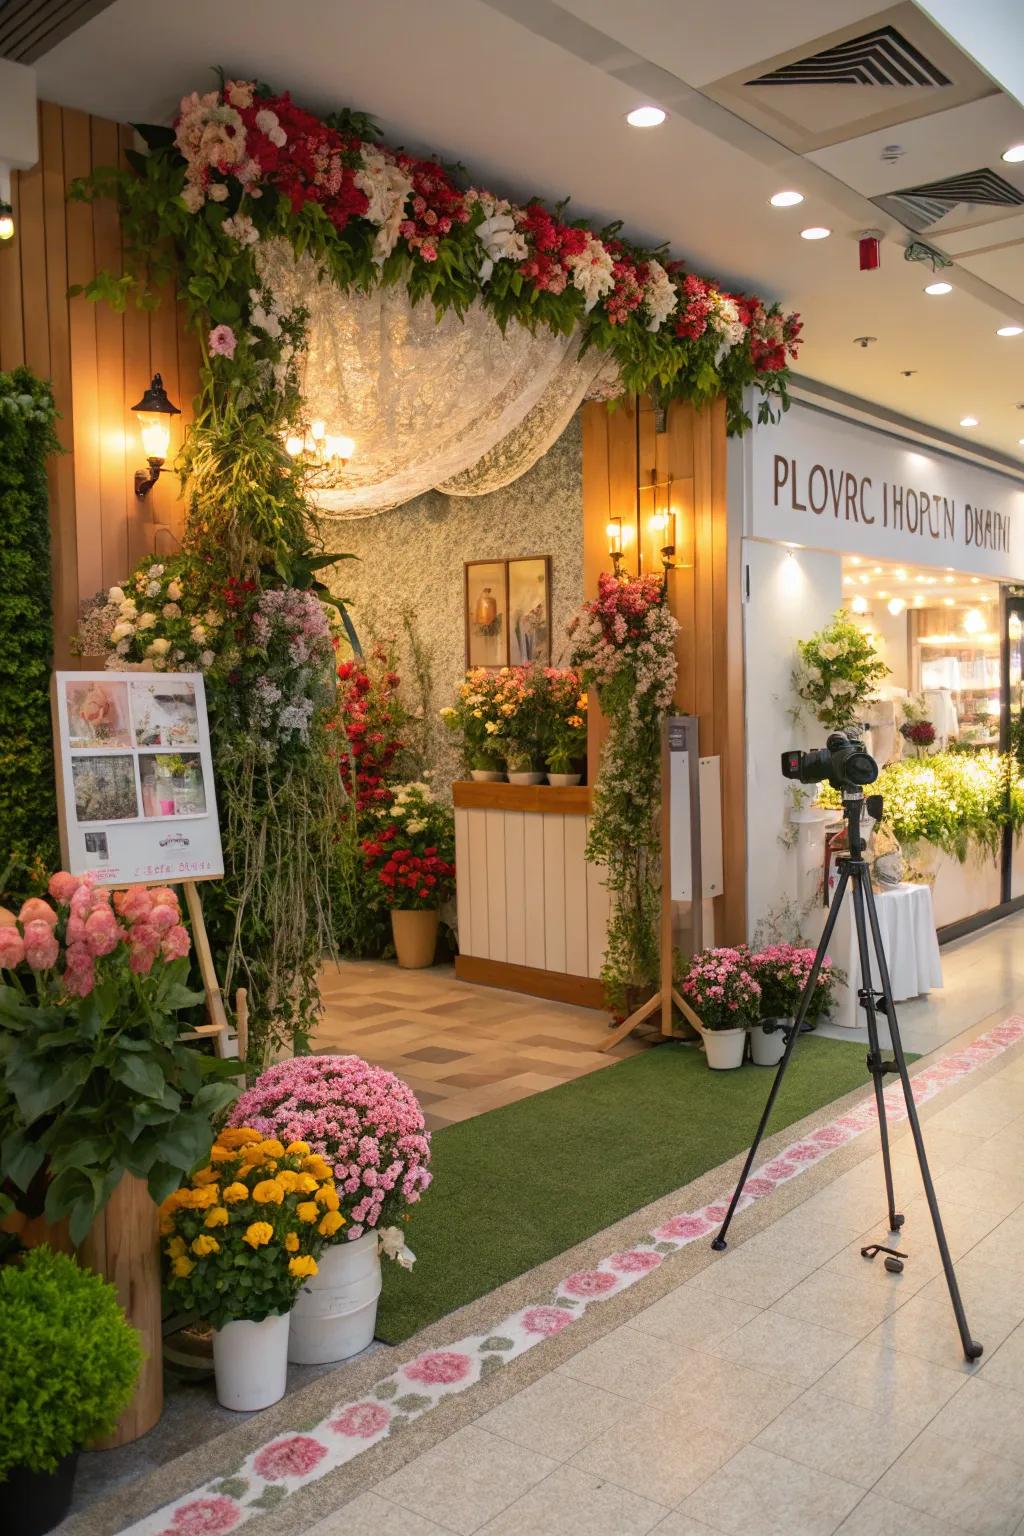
(98, 362)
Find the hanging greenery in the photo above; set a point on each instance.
(623, 645)
(28, 811)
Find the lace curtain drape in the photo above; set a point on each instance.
(452, 404)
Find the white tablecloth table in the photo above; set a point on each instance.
(908, 940)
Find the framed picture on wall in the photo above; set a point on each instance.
(486, 613)
(508, 612)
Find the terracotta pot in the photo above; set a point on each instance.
(415, 935)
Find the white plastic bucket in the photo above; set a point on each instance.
(766, 1050)
(250, 1362)
(336, 1311)
(724, 1048)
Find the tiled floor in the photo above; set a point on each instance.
(790, 1388)
(462, 1049)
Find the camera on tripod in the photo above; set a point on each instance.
(842, 761)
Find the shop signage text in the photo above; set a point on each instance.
(842, 494)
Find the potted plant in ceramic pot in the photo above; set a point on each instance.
(566, 733)
(782, 971)
(239, 1239)
(412, 856)
(474, 717)
(368, 1127)
(70, 1363)
(721, 987)
(521, 702)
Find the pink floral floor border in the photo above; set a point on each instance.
(288, 1462)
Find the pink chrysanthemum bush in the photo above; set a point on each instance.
(365, 1121)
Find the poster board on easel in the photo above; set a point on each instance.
(136, 799)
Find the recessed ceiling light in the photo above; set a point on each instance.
(896, 606)
(878, 570)
(1010, 330)
(786, 199)
(949, 580)
(859, 605)
(1015, 154)
(855, 559)
(816, 232)
(645, 117)
(937, 288)
(900, 575)
(949, 602)
(919, 599)
(968, 421)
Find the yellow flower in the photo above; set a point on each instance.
(331, 1222)
(581, 702)
(268, 1191)
(297, 1149)
(327, 1196)
(173, 1202)
(318, 1167)
(291, 1242)
(272, 1148)
(216, 1216)
(302, 1266)
(575, 722)
(239, 1136)
(183, 1267)
(235, 1192)
(204, 1245)
(288, 1180)
(221, 1154)
(205, 1176)
(176, 1247)
(258, 1234)
(203, 1198)
(307, 1211)
(306, 1184)
(166, 1226)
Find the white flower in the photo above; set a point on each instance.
(171, 611)
(158, 647)
(155, 570)
(123, 647)
(416, 826)
(278, 136)
(448, 713)
(128, 609)
(206, 659)
(387, 188)
(266, 121)
(592, 272)
(501, 242)
(115, 595)
(212, 618)
(122, 631)
(660, 297)
(492, 728)
(152, 589)
(147, 620)
(725, 319)
(393, 1246)
(174, 591)
(217, 192)
(198, 632)
(240, 228)
(193, 198)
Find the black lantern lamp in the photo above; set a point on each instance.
(154, 411)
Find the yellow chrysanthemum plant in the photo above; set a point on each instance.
(245, 1232)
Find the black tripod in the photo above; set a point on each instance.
(854, 873)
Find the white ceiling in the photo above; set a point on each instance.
(532, 94)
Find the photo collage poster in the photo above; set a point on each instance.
(135, 777)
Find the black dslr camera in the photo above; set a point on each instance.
(842, 761)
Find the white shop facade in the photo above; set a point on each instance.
(923, 547)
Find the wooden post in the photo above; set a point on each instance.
(123, 1245)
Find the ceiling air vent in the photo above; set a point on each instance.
(881, 57)
(921, 206)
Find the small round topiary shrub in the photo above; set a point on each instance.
(70, 1360)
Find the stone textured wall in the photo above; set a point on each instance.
(413, 557)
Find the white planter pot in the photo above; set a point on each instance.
(724, 1048)
(767, 1049)
(335, 1312)
(564, 780)
(486, 776)
(250, 1363)
(526, 778)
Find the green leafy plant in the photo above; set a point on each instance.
(837, 672)
(28, 810)
(71, 1360)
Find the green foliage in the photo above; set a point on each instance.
(102, 1086)
(70, 1360)
(28, 812)
(837, 672)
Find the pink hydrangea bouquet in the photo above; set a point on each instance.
(783, 971)
(721, 985)
(94, 1080)
(364, 1121)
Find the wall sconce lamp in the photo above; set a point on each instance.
(663, 523)
(615, 544)
(6, 211)
(154, 412)
(319, 447)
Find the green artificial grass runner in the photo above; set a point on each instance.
(521, 1184)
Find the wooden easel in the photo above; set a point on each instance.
(224, 1043)
(667, 993)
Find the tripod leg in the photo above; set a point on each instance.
(859, 879)
(844, 875)
(972, 1350)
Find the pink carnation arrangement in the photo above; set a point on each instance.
(722, 987)
(782, 971)
(63, 943)
(365, 1121)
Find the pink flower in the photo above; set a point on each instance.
(102, 933)
(133, 904)
(206, 1517)
(63, 886)
(162, 918)
(803, 1152)
(41, 947)
(140, 962)
(589, 1282)
(293, 1457)
(163, 896)
(546, 1320)
(143, 936)
(75, 933)
(636, 1261)
(361, 1421)
(440, 1368)
(12, 948)
(80, 982)
(759, 1187)
(36, 910)
(684, 1226)
(222, 341)
(176, 943)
